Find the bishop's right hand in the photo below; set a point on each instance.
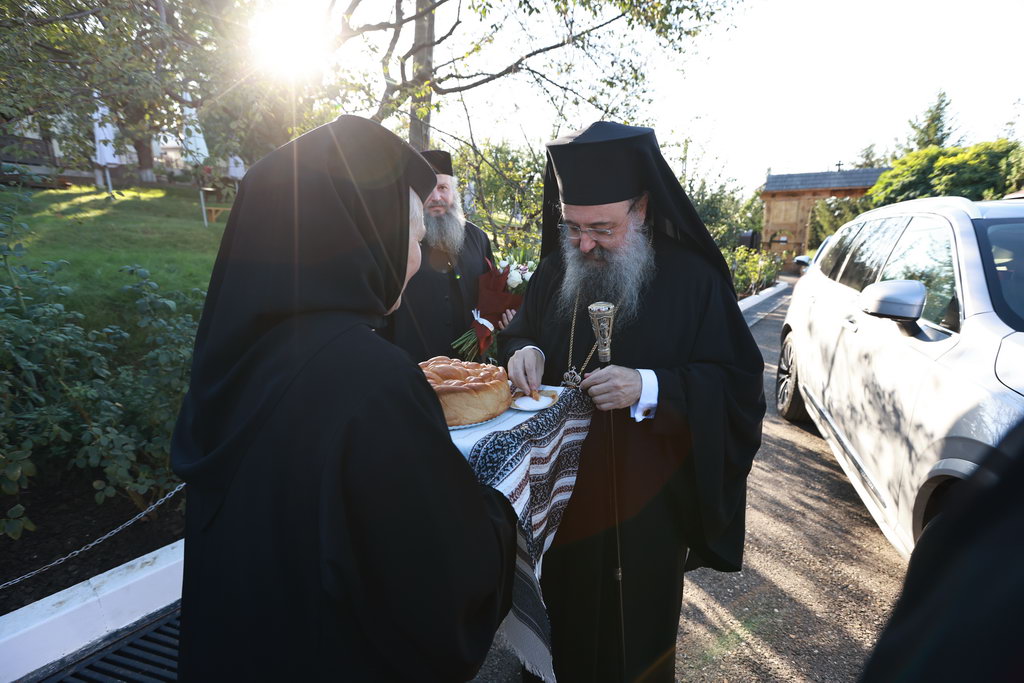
(525, 369)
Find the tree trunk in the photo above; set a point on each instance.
(144, 150)
(423, 72)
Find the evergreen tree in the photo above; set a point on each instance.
(934, 128)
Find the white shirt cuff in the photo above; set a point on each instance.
(646, 406)
(542, 356)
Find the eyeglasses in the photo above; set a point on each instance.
(574, 232)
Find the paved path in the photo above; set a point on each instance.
(819, 578)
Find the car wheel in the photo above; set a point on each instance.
(788, 399)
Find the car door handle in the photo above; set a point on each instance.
(850, 324)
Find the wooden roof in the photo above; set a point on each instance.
(828, 180)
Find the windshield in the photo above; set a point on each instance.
(1002, 249)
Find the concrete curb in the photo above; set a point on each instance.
(762, 296)
(53, 628)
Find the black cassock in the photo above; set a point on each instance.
(333, 531)
(681, 476)
(958, 618)
(436, 305)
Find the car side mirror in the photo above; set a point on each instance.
(803, 260)
(899, 300)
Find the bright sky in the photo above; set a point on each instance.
(798, 85)
(790, 85)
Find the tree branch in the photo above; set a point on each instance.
(607, 111)
(516, 65)
(390, 86)
(383, 26)
(416, 48)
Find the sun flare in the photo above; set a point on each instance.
(290, 42)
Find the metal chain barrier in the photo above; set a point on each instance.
(95, 543)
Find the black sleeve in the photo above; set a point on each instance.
(719, 397)
(423, 552)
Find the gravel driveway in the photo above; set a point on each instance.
(819, 578)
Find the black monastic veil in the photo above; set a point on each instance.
(681, 476)
(333, 531)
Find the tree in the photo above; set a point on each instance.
(751, 214)
(831, 213)
(422, 69)
(934, 128)
(976, 172)
(507, 187)
(869, 158)
(136, 56)
(1013, 169)
(141, 56)
(909, 178)
(526, 39)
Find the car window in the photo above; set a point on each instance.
(832, 261)
(822, 249)
(869, 251)
(1002, 251)
(925, 253)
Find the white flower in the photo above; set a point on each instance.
(502, 263)
(514, 279)
(526, 278)
(530, 265)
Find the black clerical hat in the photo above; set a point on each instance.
(439, 160)
(601, 164)
(610, 162)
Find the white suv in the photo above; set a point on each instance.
(904, 344)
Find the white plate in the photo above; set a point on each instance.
(529, 404)
(475, 424)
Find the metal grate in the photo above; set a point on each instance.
(147, 655)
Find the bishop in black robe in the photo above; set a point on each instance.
(333, 531)
(438, 303)
(668, 493)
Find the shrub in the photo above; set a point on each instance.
(73, 397)
(753, 270)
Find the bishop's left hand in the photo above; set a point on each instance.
(613, 387)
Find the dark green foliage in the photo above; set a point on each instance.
(724, 211)
(1013, 169)
(869, 158)
(753, 270)
(76, 397)
(934, 128)
(909, 178)
(508, 184)
(976, 172)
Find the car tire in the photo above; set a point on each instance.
(788, 399)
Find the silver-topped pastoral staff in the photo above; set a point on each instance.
(602, 319)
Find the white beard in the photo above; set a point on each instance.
(620, 276)
(447, 231)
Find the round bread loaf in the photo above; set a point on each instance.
(469, 392)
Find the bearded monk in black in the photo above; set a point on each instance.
(662, 478)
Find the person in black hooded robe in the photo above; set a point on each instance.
(333, 531)
(958, 617)
(662, 478)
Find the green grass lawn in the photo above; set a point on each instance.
(160, 229)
